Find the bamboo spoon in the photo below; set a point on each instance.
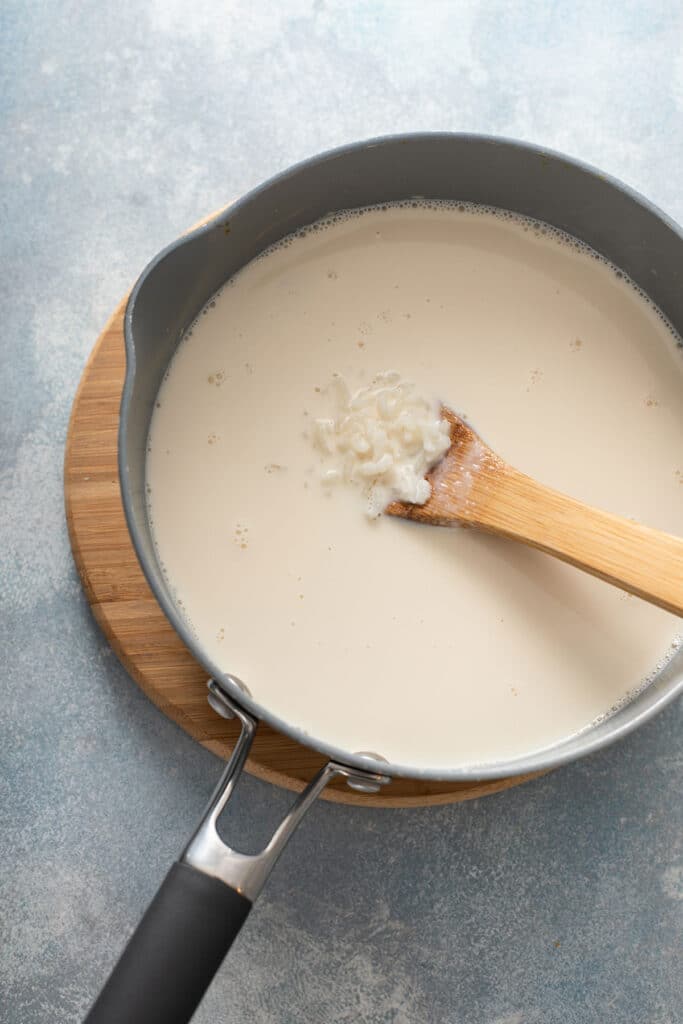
(473, 486)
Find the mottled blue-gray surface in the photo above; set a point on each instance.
(121, 124)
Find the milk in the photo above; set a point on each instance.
(434, 648)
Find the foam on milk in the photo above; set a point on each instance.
(435, 648)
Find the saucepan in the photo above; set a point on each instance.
(201, 905)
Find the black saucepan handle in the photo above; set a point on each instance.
(174, 952)
(194, 918)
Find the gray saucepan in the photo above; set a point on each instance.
(208, 892)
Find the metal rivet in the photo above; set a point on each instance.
(363, 785)
(217, 702)
(371, 754)
(368, 785)
(240, 685)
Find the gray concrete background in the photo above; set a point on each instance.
(121, 125)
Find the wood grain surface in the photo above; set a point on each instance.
(134, 624)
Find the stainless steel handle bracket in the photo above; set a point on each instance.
(207, 852)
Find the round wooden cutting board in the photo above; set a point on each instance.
(134, 624)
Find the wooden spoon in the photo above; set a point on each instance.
(473, 486)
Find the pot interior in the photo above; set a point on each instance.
(547, 187)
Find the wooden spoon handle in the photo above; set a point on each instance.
(643, 561)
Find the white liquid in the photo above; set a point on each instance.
(431, 647)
